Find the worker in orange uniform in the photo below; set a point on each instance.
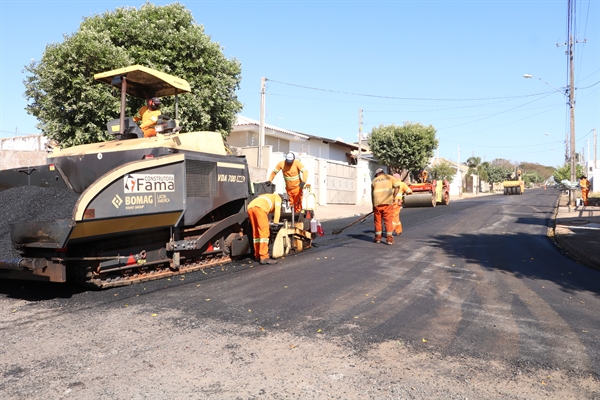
(397, 206)
(141, 112)
(295, 176)
(384, 190)
(585, 189)
(258, 213)
(423, 176)
(149, 116)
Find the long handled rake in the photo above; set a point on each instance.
(355, 222)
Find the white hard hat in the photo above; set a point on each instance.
(290, 157)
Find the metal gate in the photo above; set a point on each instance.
(341, 183)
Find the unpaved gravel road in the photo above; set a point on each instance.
(123, 348)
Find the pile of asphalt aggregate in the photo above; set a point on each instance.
(31, 203)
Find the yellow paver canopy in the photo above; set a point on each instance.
(144, 82)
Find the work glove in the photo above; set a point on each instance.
(268, 183)
(302, 185)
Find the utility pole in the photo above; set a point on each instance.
(566, 147)
(459, 172)
(572, 124)
(261, 128)
(595, 154)
(588, 159)
(360, 117)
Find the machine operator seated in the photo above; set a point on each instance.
(148, 116)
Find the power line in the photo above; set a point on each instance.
(406, 98)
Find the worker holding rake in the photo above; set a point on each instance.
(384, 189)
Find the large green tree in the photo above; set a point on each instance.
(405, 148)
(73, 108)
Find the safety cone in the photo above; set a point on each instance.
(308, 214)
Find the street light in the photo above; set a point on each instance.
(570, 94)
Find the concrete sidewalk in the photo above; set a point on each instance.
(576, 230)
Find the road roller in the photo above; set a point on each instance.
(428, 194)
(514, 186)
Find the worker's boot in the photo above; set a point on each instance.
(377, 238)
(390, 240)
(267, 261)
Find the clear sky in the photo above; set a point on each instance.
(456, 65)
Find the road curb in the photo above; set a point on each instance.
(565, 247)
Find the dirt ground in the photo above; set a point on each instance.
(50, 350)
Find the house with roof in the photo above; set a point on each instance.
(337, 172)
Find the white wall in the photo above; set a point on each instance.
(24, 143)
(456, 185)
(338, 153)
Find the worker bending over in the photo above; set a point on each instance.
(258, 213)
(585, 189)
(397, 206)
(384, 190)
(295, 176)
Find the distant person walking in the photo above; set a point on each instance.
(295, 176)
(585, 189)
(384, 190)
(397, 206)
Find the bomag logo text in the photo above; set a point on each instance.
(149, 183)
(139, 200)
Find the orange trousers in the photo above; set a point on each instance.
(295, 194)
(260, 232)
(584, 195)
(383, 213)
(396, 221)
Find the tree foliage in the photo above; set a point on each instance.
(502, 162)
(497, 173)
(443, 170)
(541, 170)
(405, 148)
(73, 108)
(564, 172)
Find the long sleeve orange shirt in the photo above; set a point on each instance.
(383, 189)
(269, 203)
(291, 173)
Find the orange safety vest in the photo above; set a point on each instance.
(403, 189)
(382, 189)
(269, 203)
(584, 183)
(291, 173)
(149, 120)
